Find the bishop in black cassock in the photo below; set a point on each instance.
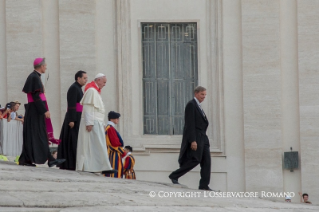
(70, 129)
(35, 149)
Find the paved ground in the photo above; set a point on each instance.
(35, 189)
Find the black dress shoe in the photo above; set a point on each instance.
(174, 181)
(206, 189)
(56, 162)
(27, 164)
(113, 171)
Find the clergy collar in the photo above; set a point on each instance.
(37, 72)
(111, 123)
(197, 101)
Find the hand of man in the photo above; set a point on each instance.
(89, 128)
(47, 114)
(71, 124)
(194, 145)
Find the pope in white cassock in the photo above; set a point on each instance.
(92, 153)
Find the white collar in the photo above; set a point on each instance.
(197, 101)
(123, 159)
(111, 123)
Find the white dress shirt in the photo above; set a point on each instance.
(199, 105)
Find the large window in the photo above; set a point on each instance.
(170, 68)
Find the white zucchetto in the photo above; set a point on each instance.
(99, 75)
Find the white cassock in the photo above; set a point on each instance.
(92, 153)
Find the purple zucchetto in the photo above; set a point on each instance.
(37, 61)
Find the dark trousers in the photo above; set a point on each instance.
(50, 157)
(191, 163)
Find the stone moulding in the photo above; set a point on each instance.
(212, 59)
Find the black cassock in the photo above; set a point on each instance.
(195, 127)
(69, 136)
(35, 147)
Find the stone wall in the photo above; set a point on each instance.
(308, 57)
(257, 58)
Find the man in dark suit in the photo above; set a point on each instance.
(195, 144)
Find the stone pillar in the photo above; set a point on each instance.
(233, 95)
(262, 95)
(105, 53)
(77, 43)
(51, 51)
(24, 44)
(123, 67)
(290, 90)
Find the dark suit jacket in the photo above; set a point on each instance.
(194, 130)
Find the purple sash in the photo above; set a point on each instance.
(79, 107)
(47, 121)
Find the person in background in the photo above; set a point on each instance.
(55, 154)
(9, 116)
(5, 112)
(287, 199)
(304, 198)
(129, 162)
(14, 115)
(114, 144)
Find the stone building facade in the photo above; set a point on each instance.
(258, 60)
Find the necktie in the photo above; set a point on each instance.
(202, 110)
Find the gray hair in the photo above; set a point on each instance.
(40, 64)
(199, 89)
